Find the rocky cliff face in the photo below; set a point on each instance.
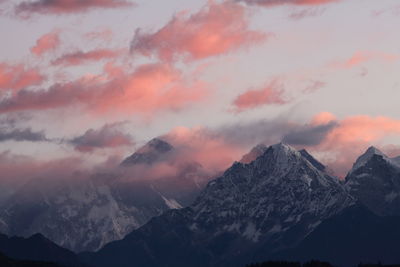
(253, 209)
(375, 181)
(84, 214)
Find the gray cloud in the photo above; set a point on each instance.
(19, 135)
(309, 135)
(256, 132)
(110, 135)
(274, 131)
(65, 7)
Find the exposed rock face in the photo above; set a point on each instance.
(84, 214)
(375, 181)
(155, 150)
(251, 211)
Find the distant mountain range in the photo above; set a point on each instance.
(276, 204)
(85, 214)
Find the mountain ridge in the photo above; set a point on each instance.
(231, 212)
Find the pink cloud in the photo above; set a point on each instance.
(17, 77)
(79, 57)
(150, 88)
(361, 57)
(67, 6)
(199, 145)
(46, 43)
(351, 136)
(272, 93)
(216, 29)
(102, 35)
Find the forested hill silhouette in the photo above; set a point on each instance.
(291, 264)
(310, 264)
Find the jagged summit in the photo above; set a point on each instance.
(254, 153)
(312, 160)
(269, 204)
(156, 144)
(364, 158)
(375, 181)
(284, 148)
(151, 152)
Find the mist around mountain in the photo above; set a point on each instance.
(282, 206)
(85, 211)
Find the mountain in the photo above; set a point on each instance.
(353, 236)
(254, 153)
(179, 189)
(83, 214)
(312, 160)
(155, 150)
(8, 262)
(375, 181)
(36, 248)
(248, 213)
(77, 214)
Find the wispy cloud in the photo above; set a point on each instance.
(148, 89)
(80, 57)
(108, 136)
(46, 43)
(17, 77)
(270, 94)
(28, 8)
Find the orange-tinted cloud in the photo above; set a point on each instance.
(46, 43)
(361, 57)
(216, 29)
(200, 145)
(149, 89)
(79, 57)
(351, 137)
(270, 3)
(17, 77)
(108, 136)
(272, 93)
(67, 6)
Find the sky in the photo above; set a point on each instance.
(86, 83)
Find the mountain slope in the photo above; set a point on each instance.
(8, 262)
(85, 213)
(353, 236)
(37, 248)
(245, 215)
(155, 150)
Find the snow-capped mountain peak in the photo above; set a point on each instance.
(364, 158)
(285, 149)
(254, 153)
(312, 160)
(270, 204)
(375, 181)
(151, 152)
